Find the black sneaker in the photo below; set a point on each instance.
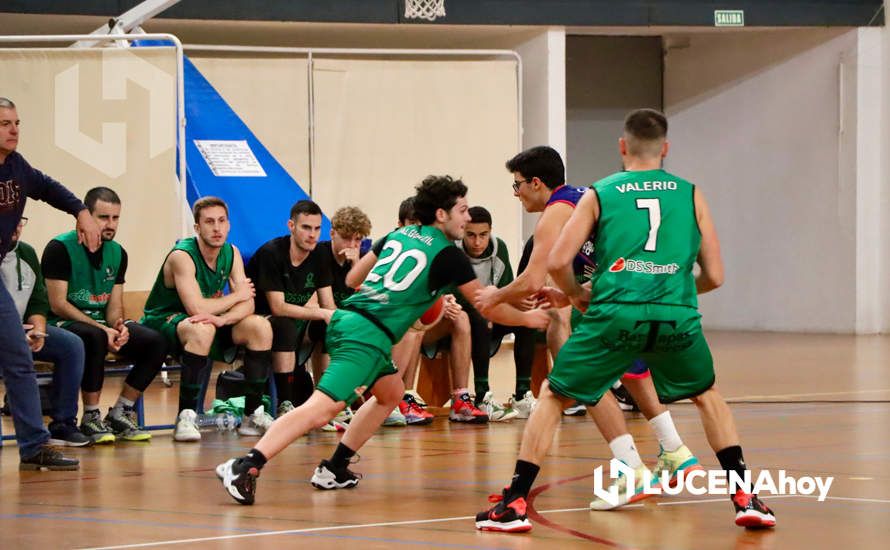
(239, 479)
(326, 476)
(625, 399)
(66, 434)
(49, 458)
(751, 512)
(505, 517)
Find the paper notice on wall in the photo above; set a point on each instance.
(230, 158)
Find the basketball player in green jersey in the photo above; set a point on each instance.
(652, 227)
(188, 307)
(412, 267)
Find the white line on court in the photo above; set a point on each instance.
(793, 395)
(433, 520)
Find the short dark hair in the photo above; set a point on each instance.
(644, 130)
(406, 210)
(478, 214)
(540, 162)
(436, 192)
(103, 194)
(207, 202)
(304, 207)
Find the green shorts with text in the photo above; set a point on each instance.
(609, 337)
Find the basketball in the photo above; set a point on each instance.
(431, 316)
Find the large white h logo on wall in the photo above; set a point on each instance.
(109, 155)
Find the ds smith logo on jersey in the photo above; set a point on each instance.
(638, 266)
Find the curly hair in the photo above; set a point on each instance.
(436, 192)
(350, 220)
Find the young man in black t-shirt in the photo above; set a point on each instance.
(288, 271)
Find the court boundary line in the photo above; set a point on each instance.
(431, 520)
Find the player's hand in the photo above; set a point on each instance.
(485, 299)
(123, 334)
(88, 231)
(554, 297)
(36, 338)
(112, 336)
(452, 308)
(537, 318)
(326, 315)
(207, 319)
(244, 290)
(350, 254)
(581, 299)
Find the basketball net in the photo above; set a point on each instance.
(424, 9)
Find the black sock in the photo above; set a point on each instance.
(254, 459)
(256, 374)
(731, 460)
(341, 456)
(481, 386)
(302, 388)
(524, 357)
(191, 379)
(523, 478)
(284, 385)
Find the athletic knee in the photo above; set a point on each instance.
(198, 336)
(256, 331)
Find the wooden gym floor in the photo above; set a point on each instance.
(810, 404)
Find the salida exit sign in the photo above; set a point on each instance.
(729, 18)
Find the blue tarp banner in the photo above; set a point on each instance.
(259, 206)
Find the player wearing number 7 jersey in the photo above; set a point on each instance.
(412, 267)
(651, 228)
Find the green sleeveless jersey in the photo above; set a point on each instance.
(397, 290)
(647, 239)
(89, 289)
(163, 302)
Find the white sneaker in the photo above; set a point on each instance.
(333, 426)
(495, 411)
(395, 418)
(187, 427)
(257, 423)
(524, 406)
(575, 410)
(344, 416)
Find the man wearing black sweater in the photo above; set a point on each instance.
(18, 181)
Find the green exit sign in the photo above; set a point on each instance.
(729, 18)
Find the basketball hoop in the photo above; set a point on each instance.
(424, 9)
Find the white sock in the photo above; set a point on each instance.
(623, 449)
(90, 408)
(459, 392)
(666, 432)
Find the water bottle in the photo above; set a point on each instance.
(224, 422)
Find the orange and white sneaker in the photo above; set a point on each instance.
(504, 516)
(463, 410)
(751, 512)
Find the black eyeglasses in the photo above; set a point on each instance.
(516, 185)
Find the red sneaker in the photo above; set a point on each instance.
(751, 512)
(504, 517)
(414, 413)
(463, 410)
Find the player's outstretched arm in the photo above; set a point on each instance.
(532, 279)
(506, 314)
(567, 245)
(709, 257)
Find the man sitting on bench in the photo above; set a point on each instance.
(86, 297)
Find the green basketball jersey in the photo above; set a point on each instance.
(89, 288)
(647, 239)
(163, 302)
(397, 290)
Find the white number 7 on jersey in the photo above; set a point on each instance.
(654, 208)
